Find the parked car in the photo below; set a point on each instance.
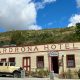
(9, 68)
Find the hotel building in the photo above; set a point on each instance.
(54, 57)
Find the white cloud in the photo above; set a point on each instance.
(48, 1)
(18, 14)
(35, 27)
(74, 19)
(78, 3)
(41, 5)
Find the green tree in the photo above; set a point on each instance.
(78, 30)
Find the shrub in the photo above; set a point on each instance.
(62, 75)
(40, 73)
(79, 73)
(69, 75)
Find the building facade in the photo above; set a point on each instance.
(53, 57)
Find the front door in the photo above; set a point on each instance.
(54, 64)
(27, 63)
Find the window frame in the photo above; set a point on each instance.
(11, 58)
(13, 61)
(1, 64)
(37, 62)
(67, 58)
(3, 59)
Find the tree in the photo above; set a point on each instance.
(78, 30)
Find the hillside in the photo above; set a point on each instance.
(36, 37)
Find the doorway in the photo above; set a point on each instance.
(54, 64)
(27, 63)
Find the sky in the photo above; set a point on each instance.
(38, 14)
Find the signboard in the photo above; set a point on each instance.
(53, 53)
(39, 48)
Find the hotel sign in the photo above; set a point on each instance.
(53, 53)
(39, 48)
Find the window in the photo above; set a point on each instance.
(70, 61)
(1, 64)
(12, 61)
(6, 64)
(40, 61)
(3, 60)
